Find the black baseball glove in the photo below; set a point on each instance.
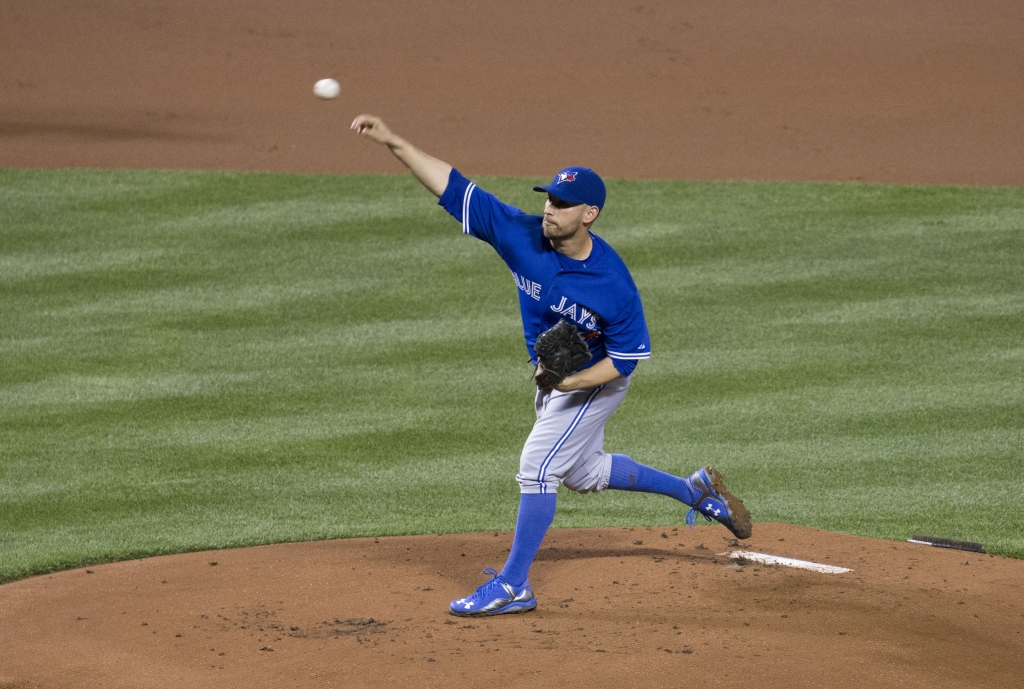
(561, 351)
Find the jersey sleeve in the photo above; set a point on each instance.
(626, 338)
(480, 212)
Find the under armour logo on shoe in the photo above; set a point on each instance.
(711, 508)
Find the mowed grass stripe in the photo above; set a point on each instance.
(202, 360)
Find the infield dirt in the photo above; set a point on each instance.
(655, 607)
(920, 91)
(912, 91)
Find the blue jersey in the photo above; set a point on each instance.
(597, 294)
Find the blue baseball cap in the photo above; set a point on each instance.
(577, 185)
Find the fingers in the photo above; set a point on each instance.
(374, 128)
(363, 123)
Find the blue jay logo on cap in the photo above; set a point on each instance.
(585, 186)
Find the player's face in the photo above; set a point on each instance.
(563, 219)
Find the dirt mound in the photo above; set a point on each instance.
(615, 606)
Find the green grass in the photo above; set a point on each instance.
(204, 360)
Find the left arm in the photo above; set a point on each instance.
(600, 373)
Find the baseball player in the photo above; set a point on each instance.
(563, 272)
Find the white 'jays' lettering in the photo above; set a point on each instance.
(529, 286)
(578, 313)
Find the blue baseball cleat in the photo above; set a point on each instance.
(496, 597)
(718, 504)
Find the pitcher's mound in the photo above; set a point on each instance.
(617, 607)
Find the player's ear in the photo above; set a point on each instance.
(590, 215)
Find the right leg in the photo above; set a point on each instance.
(704, 492)
(629, 475)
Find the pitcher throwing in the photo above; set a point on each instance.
(572, 283)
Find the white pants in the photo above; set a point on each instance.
(567, 441)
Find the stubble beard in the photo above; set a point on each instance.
(556, 232)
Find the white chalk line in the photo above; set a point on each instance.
(786, 562)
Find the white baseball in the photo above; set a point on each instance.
(327, 89)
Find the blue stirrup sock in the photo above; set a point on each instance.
(536, 512)
(628, 475)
